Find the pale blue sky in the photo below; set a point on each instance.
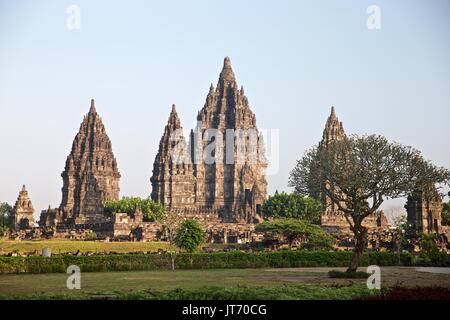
(294, 58)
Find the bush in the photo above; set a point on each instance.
(152, 210)
(348, 275)
(404, 293)
(292, 205)
(218, 260)
(89, 236)
(189, 236)
(311, 237)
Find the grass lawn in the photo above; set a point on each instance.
(63, 245)
(295, 283)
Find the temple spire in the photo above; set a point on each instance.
(92, 108)
(334, 129)
(227, 73)
(333, 112)
(90, 176)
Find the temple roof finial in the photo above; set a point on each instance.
(227, 72)
(174, 108)
(227, 62)
(92, 108)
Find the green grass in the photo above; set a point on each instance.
(180, 284)
(289, 292)
(64, 246)
(292, 283)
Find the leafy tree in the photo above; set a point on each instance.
(311, 236)
(399, 234)
(152, 210)
(292, 205)
(446, 214)
(5, 213)
(359, 173)
(189, 235)
(170, 224)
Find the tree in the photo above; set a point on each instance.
(5, 217)
(292, 205)
(399, 234)
(311, 236)
(358, 173)
(446, 214)
(5, 214)
(152, 210)
(170, 223)
(189, 235)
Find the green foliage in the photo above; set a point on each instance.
(292, 205)
(446, 214)
(311, 236)
(5, 213)
(189, 236)
(428, 243)
(285, 292)
(89, 236)
(348, 275)
(218, 260)
(3, 230)
(152, 210)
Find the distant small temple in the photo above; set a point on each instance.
(23, 212)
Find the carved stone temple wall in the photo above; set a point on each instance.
(23, 212)
(232, 186)
(90, 177)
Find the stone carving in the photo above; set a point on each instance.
(233, 186)
(23, 212)
(424, 213)
(91, 176)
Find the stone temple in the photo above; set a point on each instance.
(332, 218)
(90, 177)
(23, 211)
(232, 184)
(215, 175)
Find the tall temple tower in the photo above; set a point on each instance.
(23, 211)
(91, 176)
(334, 131)
(225, 173)
(173, 182)
(333, 218)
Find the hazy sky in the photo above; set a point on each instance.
(294, 58)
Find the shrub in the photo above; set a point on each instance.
(152, 210)
(311, 236)
(292, 205)
(348, 275)
(404, 293)
(189, 236)
(90, 236)
(217, 260)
